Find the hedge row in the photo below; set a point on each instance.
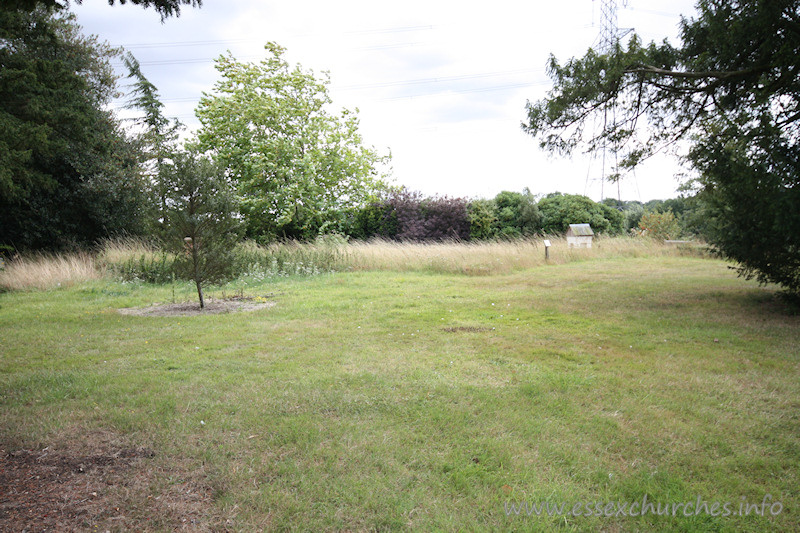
(410, 216)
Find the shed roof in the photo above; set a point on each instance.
(581, 230)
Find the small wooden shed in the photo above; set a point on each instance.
(579, 236)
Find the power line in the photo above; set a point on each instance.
(418, 81)
(467, 91)
(161, 62)
(495, 88)
(655, 12)
(442, 79)
(175, 44)
(390, 30)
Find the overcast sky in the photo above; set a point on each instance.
(442, 84)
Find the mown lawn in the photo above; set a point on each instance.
(386, 400)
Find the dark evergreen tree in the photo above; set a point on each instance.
(732, 90)
(68, 173)
(157, 141)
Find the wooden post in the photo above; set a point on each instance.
(546, 250)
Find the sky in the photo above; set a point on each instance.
(440, 84)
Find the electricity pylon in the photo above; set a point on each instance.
(607, 41)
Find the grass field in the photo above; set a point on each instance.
(412, 399)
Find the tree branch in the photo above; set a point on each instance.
(711, 74)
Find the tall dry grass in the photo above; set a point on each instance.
(487, 258)
(123, 249)
(48, 271)
(137, 260)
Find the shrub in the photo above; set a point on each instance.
(445, 218)
(482, 219)
(659, 226)
(377, 219)
(409, 216)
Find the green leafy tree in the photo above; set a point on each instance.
(68, 173)
(731, 90)
(516, 214)
(201, 217)
(297, 166)
(694, 218)
(560, 210)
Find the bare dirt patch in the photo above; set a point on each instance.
(212, 307)
(100, 483)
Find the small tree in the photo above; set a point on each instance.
(200, 210)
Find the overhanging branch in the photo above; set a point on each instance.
(710, 74)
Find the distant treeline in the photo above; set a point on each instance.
(410, 216)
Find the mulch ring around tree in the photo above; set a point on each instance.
(212, 307)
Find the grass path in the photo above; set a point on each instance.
(394, 400)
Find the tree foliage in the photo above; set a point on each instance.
(560, 210)
(732, 91)
(632, 211)
(482, 215)
(67, 171)
(406, 215)
(440, 218)
(296, 165)
(516, 214)
(165, 8)
(507, 215)
(375, 219)
(157, 138)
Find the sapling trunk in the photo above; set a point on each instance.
(200, 293)
(197, 278)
